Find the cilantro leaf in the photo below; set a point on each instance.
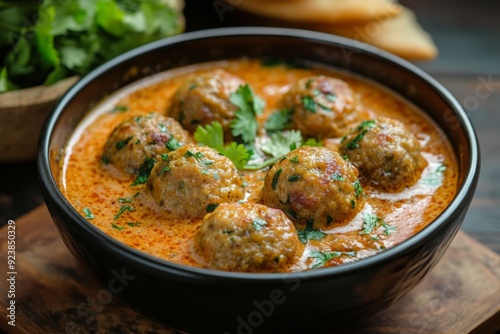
(249, 106)
(309, 233)
(279, 121)
(323, 257)
(210, 135)
(434, 178)
(279, 143)
(237, 153)
(362, 129)
(258, 224)
(313, 142)
(370, 221)
(88, 214)
(144, 171)
(123, 208)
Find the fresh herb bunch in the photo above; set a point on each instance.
(44, 41)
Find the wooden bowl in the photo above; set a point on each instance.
(22, 114)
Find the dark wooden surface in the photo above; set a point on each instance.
(467, 34)
(55, 295)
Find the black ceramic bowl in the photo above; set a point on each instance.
(202, 300)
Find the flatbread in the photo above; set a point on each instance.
(401, 35)
(324, 11)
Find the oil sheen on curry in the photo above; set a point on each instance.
(256, 166)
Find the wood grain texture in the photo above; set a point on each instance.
(55, 295)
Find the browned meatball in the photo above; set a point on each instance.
(314, 183)
(140, 138)
(247, 237)
(190, 180)
(204, 98)
(322, 106)
(385, 152)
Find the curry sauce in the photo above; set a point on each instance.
(107, 198)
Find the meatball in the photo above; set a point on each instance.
(322, 106)
(140, 138)
(314, 184)
(385, 152)
(247, 237)
(192, 179)
(204, 99)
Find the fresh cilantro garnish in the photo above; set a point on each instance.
(119, 109)
(337, 177)
(309, 104)
(279, 143)
(358, 189)
(249, 106)
(294, 178)
(309, 233)
(123, 208)
(323, 257)
(144, 171)
(279, 121)
(362, 129)
(164, 157)
(295, 159)
(105, 159)
(371, 221)
(133, 224)
(121, 144)
(211, 207)
(258, 224)
(312, 142)
(434, 178)
(274, 182)
(88, 214)
(117, 227)
(237, 153)
(173, 144)
(128, 199)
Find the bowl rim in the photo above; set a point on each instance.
(52, 191)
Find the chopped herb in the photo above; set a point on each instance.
(123, 143)
(164, 170)
(228, 231)
(162, 127)
(88, 214)
(119, 228)
(309, 83)
(294, 178)
(309, 104)
(362, 129)
(323, 257)
(173, 144)
(388, 229)
(358, 189)
(258, 224)
(164, 157)
(249, 106)
(309, 233)
(331, 97)
(435, 178)
(211, 207)
(120, 109)
(295, 159)
(292, 213)
(276, 176)
(337, 177)
(279, 121)
(128, 199)
(345, 157)
(353, 203)
(144, 171)
(370, 221)
(281, 143)
(137, 142)
(133, 224)
(105, 159)
(122, 210)
(312, 142)
(192, 86)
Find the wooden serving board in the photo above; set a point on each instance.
(55, 295)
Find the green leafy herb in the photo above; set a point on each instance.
(370, 221)
(119, 228)
(105, 160)
(362, 129)
(279, 121)
(434, 178)
(173, 144)
(120, 109)
(133, 224)
(249, 106)
(329, 220)
(211, 207)
(128, 199)
(274, 182)
(294, 178)
(164, 157)
(279, 143)
(312, 142)
(309, 233)
(164, 170)
(123, 208)
(212, 136)
(123, 143)
(295, 159)
(323, 257)
(144, 171)
(337, 177)
(309, 104)
(258, 224)
(353, 203)
(388, 229)
(358, 189)
(88, 213)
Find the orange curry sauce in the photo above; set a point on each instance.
(88, 183)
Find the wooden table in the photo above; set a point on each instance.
(468, 36)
